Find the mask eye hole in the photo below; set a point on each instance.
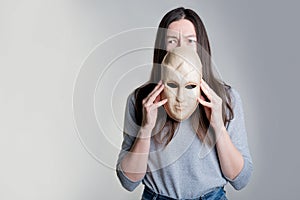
(190, 86)
(172, 85)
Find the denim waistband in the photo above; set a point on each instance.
(216, 193)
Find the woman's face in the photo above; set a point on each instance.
(181, 33)
(182, 84)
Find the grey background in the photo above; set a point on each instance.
(43, 44)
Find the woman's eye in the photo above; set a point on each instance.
(191, 86)
(192, 40)
(172, 85)
(172, 41)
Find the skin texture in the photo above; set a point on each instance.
(181, 75)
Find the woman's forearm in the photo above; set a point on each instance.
(231, 160)
(134, 164)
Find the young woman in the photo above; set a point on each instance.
(167, 155)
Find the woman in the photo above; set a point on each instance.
(186, 175)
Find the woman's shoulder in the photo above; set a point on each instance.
(235, 104)
(131, 97)
(235, 98)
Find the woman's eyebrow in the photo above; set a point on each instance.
(176, 37)
(186, 36)
(172, 36)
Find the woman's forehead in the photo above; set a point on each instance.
(181, 27)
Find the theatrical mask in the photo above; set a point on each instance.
(181, 75)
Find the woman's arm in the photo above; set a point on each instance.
(231, 160)
(232, 147)
(134, 163)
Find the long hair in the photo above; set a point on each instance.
(204, 52)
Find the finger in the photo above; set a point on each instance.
(202, 97)
(160, 103)
(205, 91)
(148, 101)
(155, 88)
(204, 103)
(204, 83)
(155, 94)
(157, 99)
(208, 88)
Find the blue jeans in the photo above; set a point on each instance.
(216, 194)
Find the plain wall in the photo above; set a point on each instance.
(60, 124)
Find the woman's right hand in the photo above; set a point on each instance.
(134, 164)
(150, 107)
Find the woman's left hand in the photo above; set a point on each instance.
(213, 108)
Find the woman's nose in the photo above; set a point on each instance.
(180, 42)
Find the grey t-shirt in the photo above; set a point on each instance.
(186, 167)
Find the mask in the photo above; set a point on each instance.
(181, 75)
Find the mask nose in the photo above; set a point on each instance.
(180, 96)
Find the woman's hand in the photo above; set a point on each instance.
(213, 108)
(134, 164)
(150, 105)
(231, 160)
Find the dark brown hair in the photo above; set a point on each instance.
(204, 52)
